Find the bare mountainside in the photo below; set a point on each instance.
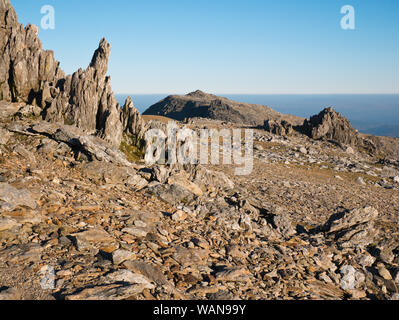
(199, 104)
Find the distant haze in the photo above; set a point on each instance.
(374, 114)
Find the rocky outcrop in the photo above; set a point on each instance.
(353, 228)
(24, 66)
(85, 99)
(281, 128)
(199, 104)
(330, 125)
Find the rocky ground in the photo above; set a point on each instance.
(312, 221)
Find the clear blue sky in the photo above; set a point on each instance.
(228, 46)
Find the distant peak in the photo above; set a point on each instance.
(198, 93)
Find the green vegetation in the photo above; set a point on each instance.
(133, 148)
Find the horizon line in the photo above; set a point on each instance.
(254, 94)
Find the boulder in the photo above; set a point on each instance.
(281, 128)
(353, 228)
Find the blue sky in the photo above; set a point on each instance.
(228, 46)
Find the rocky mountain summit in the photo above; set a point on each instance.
(81, 220)
(199, 104)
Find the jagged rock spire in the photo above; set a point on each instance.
(84, 99)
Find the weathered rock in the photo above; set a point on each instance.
(352, 218)
(93, 147)
(120, 256)
(84, 99)
(284, 225)
(4, 136)
(353, 228)
(10, 294)
(172, 194)
(132, 121)
(351, 279)
(331, 125)
(281, 128)
(97, 238)
(236, 274)
(129, 277)
(181, 180)
(108, 292)
(11, 198)
(24, 65)
(7, 224)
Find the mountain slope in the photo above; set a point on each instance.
(199, 104)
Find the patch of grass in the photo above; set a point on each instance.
(133, 152)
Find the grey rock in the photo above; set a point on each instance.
(5, 136)
(351, 279)
(353, 228)
(282, 128)
(108, 292)
(284, 225)
(11, 198)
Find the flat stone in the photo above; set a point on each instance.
(129, 277)
(96, 237)
(8, 224)
(10, 294)
(135, 231)
(108, 292)
(11, 198)
(234, 274)
(120, 256)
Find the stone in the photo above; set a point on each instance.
(235, 274)
(360, 181)
(8, 224)
(188, 256)
(11, 198)
(108, 292)
(351, 218)
(351, 279)
(396, 179)
(353, 228)
(5, 136)
(284, 225)
(77, 139)
(136, 232)
(383, 272)
(120, 256)
(282, 128)
(10, 294)
(331, 125)
(365, 260)
(173, 194)
(182, 181)
(95, 237)
(129, 277)
(349, 150)
(179, 216)
(303, 150)
(136, 182)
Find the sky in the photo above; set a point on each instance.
(228, 46)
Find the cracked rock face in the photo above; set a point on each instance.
(85, 99)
